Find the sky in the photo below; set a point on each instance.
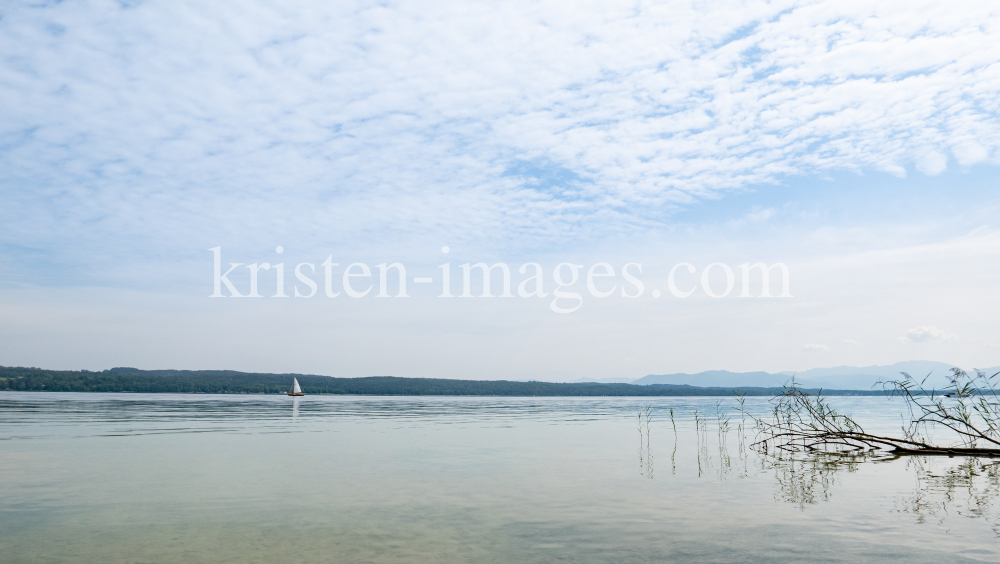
(856, 143)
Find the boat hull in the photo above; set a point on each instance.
(291, 394)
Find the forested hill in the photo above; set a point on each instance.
(230, 382)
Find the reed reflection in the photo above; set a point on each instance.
(964, 486)
(808, 479)
(943, 488)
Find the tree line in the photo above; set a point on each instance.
(233, 382)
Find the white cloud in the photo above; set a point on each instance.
(850, 343)
(813, 347)
(969, 152)
(932, 163)
(755, 216)
(151, 122)
(925, 333)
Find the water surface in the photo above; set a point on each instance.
(206, 478)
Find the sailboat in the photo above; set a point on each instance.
(296, 390)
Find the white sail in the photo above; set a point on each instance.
(295, 386)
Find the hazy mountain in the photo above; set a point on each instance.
(835, 378)
(602, 380)
(862, 378)
(914, 367)
(717, 379)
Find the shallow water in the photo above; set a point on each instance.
(200, 478)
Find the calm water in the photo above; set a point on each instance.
(197, 478)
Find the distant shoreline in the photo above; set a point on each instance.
(233, 382)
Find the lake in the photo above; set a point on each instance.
(115, 478)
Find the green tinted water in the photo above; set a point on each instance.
(168, 478)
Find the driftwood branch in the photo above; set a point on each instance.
(969, 408)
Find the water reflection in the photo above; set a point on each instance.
(943, 487)
(808, 479)
(965, 486)
(518, 479)
(217, 412)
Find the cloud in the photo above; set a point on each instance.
(969, 152)
(813, 347)
(932, 163)
(167, 122)
(756, 216)
(850, 343)
(926, 333)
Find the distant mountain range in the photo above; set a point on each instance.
(836, 378)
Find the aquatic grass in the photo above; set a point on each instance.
(673, 455)
(697, 435)
(722, 431)
(645, 454)
(722, 421)
(808, 473)
(741, 398)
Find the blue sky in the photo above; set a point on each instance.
(859, 144)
